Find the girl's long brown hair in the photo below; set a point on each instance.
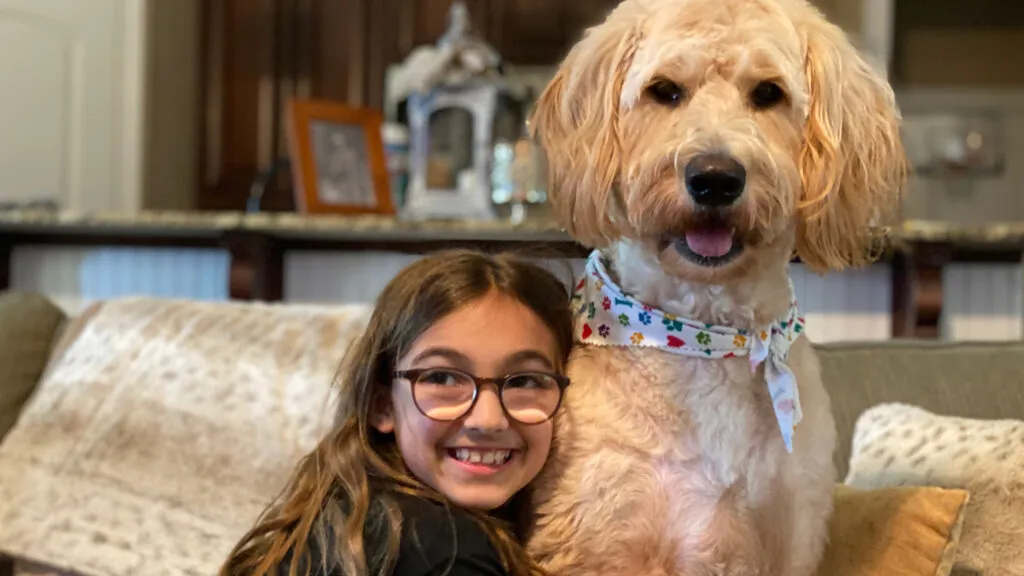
(347, 484)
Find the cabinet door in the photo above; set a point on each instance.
(71, 91)
(540, 32)
(241, 120)
(258, 55)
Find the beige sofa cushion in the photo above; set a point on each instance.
(980, 380)
(28, 325)
(903, 445)
(162, 431)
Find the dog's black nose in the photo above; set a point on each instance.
(715, 180)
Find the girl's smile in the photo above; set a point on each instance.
(480, 462)
(483, 457)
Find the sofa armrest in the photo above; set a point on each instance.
(28, 326)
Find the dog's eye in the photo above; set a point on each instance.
(666, 92)
(766, 94)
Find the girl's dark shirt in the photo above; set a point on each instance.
(435, 541)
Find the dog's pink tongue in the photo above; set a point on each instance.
(710, 242)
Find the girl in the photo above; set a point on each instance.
(444, 418)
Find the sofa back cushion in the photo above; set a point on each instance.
(970, 380)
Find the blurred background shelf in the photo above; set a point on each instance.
(138, 107)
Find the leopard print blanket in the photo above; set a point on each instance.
(160, 433)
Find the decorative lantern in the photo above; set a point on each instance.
(452, 94)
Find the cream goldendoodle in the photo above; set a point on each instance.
(697, 145)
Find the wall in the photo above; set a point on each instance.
(170, 163)
(973, 200)
(984, 301)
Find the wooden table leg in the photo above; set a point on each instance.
(917, 292)
(903, 316)
(257, 267)
(6, 248)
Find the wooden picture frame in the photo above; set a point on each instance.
(338, 159)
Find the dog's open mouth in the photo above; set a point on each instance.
(708, 244)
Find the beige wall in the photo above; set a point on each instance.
(844, 13)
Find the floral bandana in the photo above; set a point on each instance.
(606, 316)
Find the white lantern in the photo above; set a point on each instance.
(469, 194)
(452, 91)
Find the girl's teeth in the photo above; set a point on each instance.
(487, 457)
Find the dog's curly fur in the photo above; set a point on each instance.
(673, 465)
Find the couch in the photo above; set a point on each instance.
(150, 407)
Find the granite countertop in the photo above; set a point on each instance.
(1010, 233)
(372, 227)
(281, 224)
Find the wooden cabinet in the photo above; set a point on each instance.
(937, 43)
(539, 32)
(942, 43)
(260, 53)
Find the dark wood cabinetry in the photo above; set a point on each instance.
(257, 54)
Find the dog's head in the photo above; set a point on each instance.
(721, 132)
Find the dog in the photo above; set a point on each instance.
(697, 146)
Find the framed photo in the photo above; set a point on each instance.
(338, 161)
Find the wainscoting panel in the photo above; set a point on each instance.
(75, 276)
(346, 277)
(852, 305)
(848, 306)
(983, 302)
(358, 277)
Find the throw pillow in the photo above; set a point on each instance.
(905, 531)
(903, 445)
(28, 325)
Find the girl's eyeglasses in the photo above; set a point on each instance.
(447, 394)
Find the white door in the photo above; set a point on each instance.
(70, 101)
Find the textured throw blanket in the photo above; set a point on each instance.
(163, 429)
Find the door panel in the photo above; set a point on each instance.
(71, 100)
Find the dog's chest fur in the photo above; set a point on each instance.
(666, 464)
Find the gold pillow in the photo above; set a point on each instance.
(894, 532)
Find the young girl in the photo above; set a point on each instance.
(444, 418)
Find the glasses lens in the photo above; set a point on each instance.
(531, 398)
(443, 394)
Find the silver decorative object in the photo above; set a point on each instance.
(470, 196)
(453, 90)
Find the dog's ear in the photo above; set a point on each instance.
(577, 122)
(853, 166)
